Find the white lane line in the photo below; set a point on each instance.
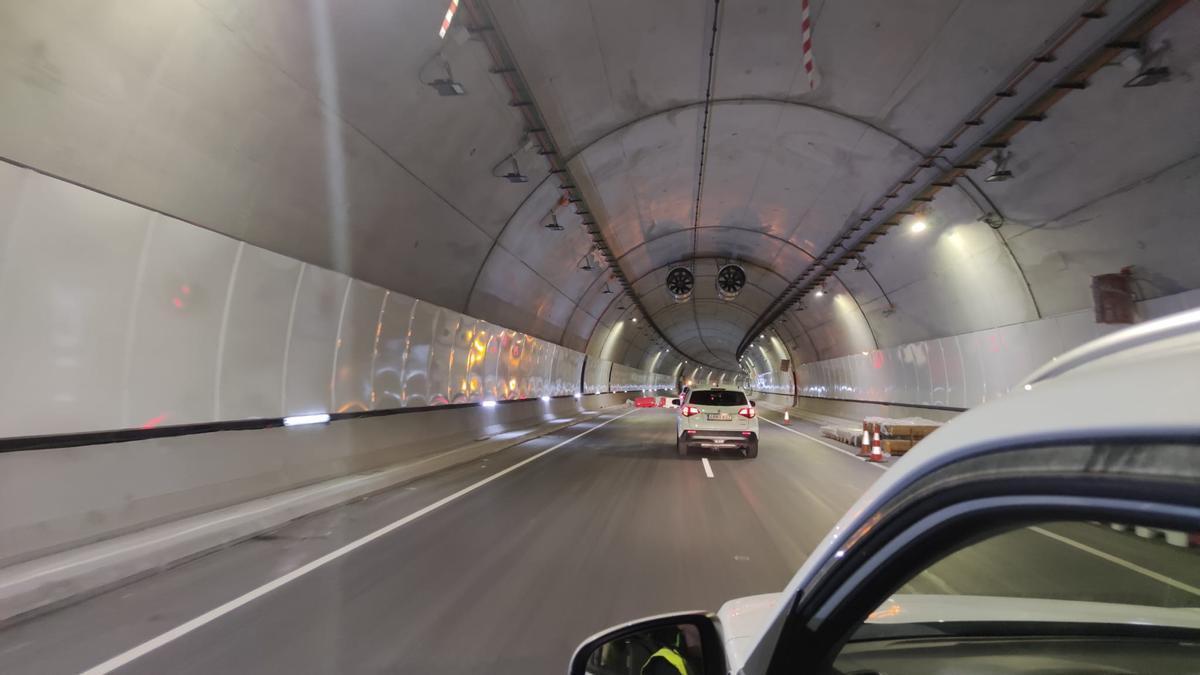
(216, 613)
(707, 467)
(1119, 561)
(828, 445)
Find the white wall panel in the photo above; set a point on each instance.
(416, 370)
(177, 324)
(68, 269)
(355, 348)
(310, 349)
(958, 371)
(460, 361)
(114, 316)
(388, 382)
(256, 329)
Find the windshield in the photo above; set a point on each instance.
(718, 398)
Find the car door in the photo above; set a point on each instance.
(1044, 540)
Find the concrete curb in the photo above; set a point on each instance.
(62, 578)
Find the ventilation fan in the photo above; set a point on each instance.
(730, 281)
(680, 283)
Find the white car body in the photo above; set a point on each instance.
(1139, 380)
(717, 427)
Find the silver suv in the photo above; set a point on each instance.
(716, 419)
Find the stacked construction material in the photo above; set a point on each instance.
(899, 435)
(847, 435)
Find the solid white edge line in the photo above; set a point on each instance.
(1118, 561)
(828, 445)
(707, 467)
(183, 629)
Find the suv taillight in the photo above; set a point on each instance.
(688, 411)
(747, 412)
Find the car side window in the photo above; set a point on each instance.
(1014, 561)
(1086, 596)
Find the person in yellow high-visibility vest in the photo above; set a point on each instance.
(668, 660)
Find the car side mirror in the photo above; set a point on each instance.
(672, 643)
(674, 401)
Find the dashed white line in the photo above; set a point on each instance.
(1118, 561)
(707, 467)
(826, 444)
(183, 629)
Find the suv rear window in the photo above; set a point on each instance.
(717, 398)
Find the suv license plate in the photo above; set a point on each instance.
(719, 417)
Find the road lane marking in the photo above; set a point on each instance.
(828, 445)
(179, 631)
(707, 467)
(1119, 561)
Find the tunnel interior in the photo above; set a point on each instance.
(448, 224)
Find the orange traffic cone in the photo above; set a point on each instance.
(865, 450)
(876, 450)
(787, 419)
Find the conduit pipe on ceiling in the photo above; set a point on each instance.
(840, 252)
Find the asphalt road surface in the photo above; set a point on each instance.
(510, 576)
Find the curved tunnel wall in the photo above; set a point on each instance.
(958, 371)
(115, 316)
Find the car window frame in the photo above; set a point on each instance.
(745, 399)
(922, 527)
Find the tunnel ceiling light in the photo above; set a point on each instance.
(554, 225)
(1148, 64)
(299, 420)
(919, 225)
(1002, 173)
(607, 290)
(820, 292)
(993, 220)
(1148, 77)
(514, 174)
(444, 86)
(448, 87)
(635, 319)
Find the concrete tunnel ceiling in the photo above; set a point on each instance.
(622, 86)
(316, 134)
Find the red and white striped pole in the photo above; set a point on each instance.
(806, 45)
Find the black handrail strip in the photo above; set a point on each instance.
(924, 406)
(73, 440)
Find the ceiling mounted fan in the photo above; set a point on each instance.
(680, 283)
